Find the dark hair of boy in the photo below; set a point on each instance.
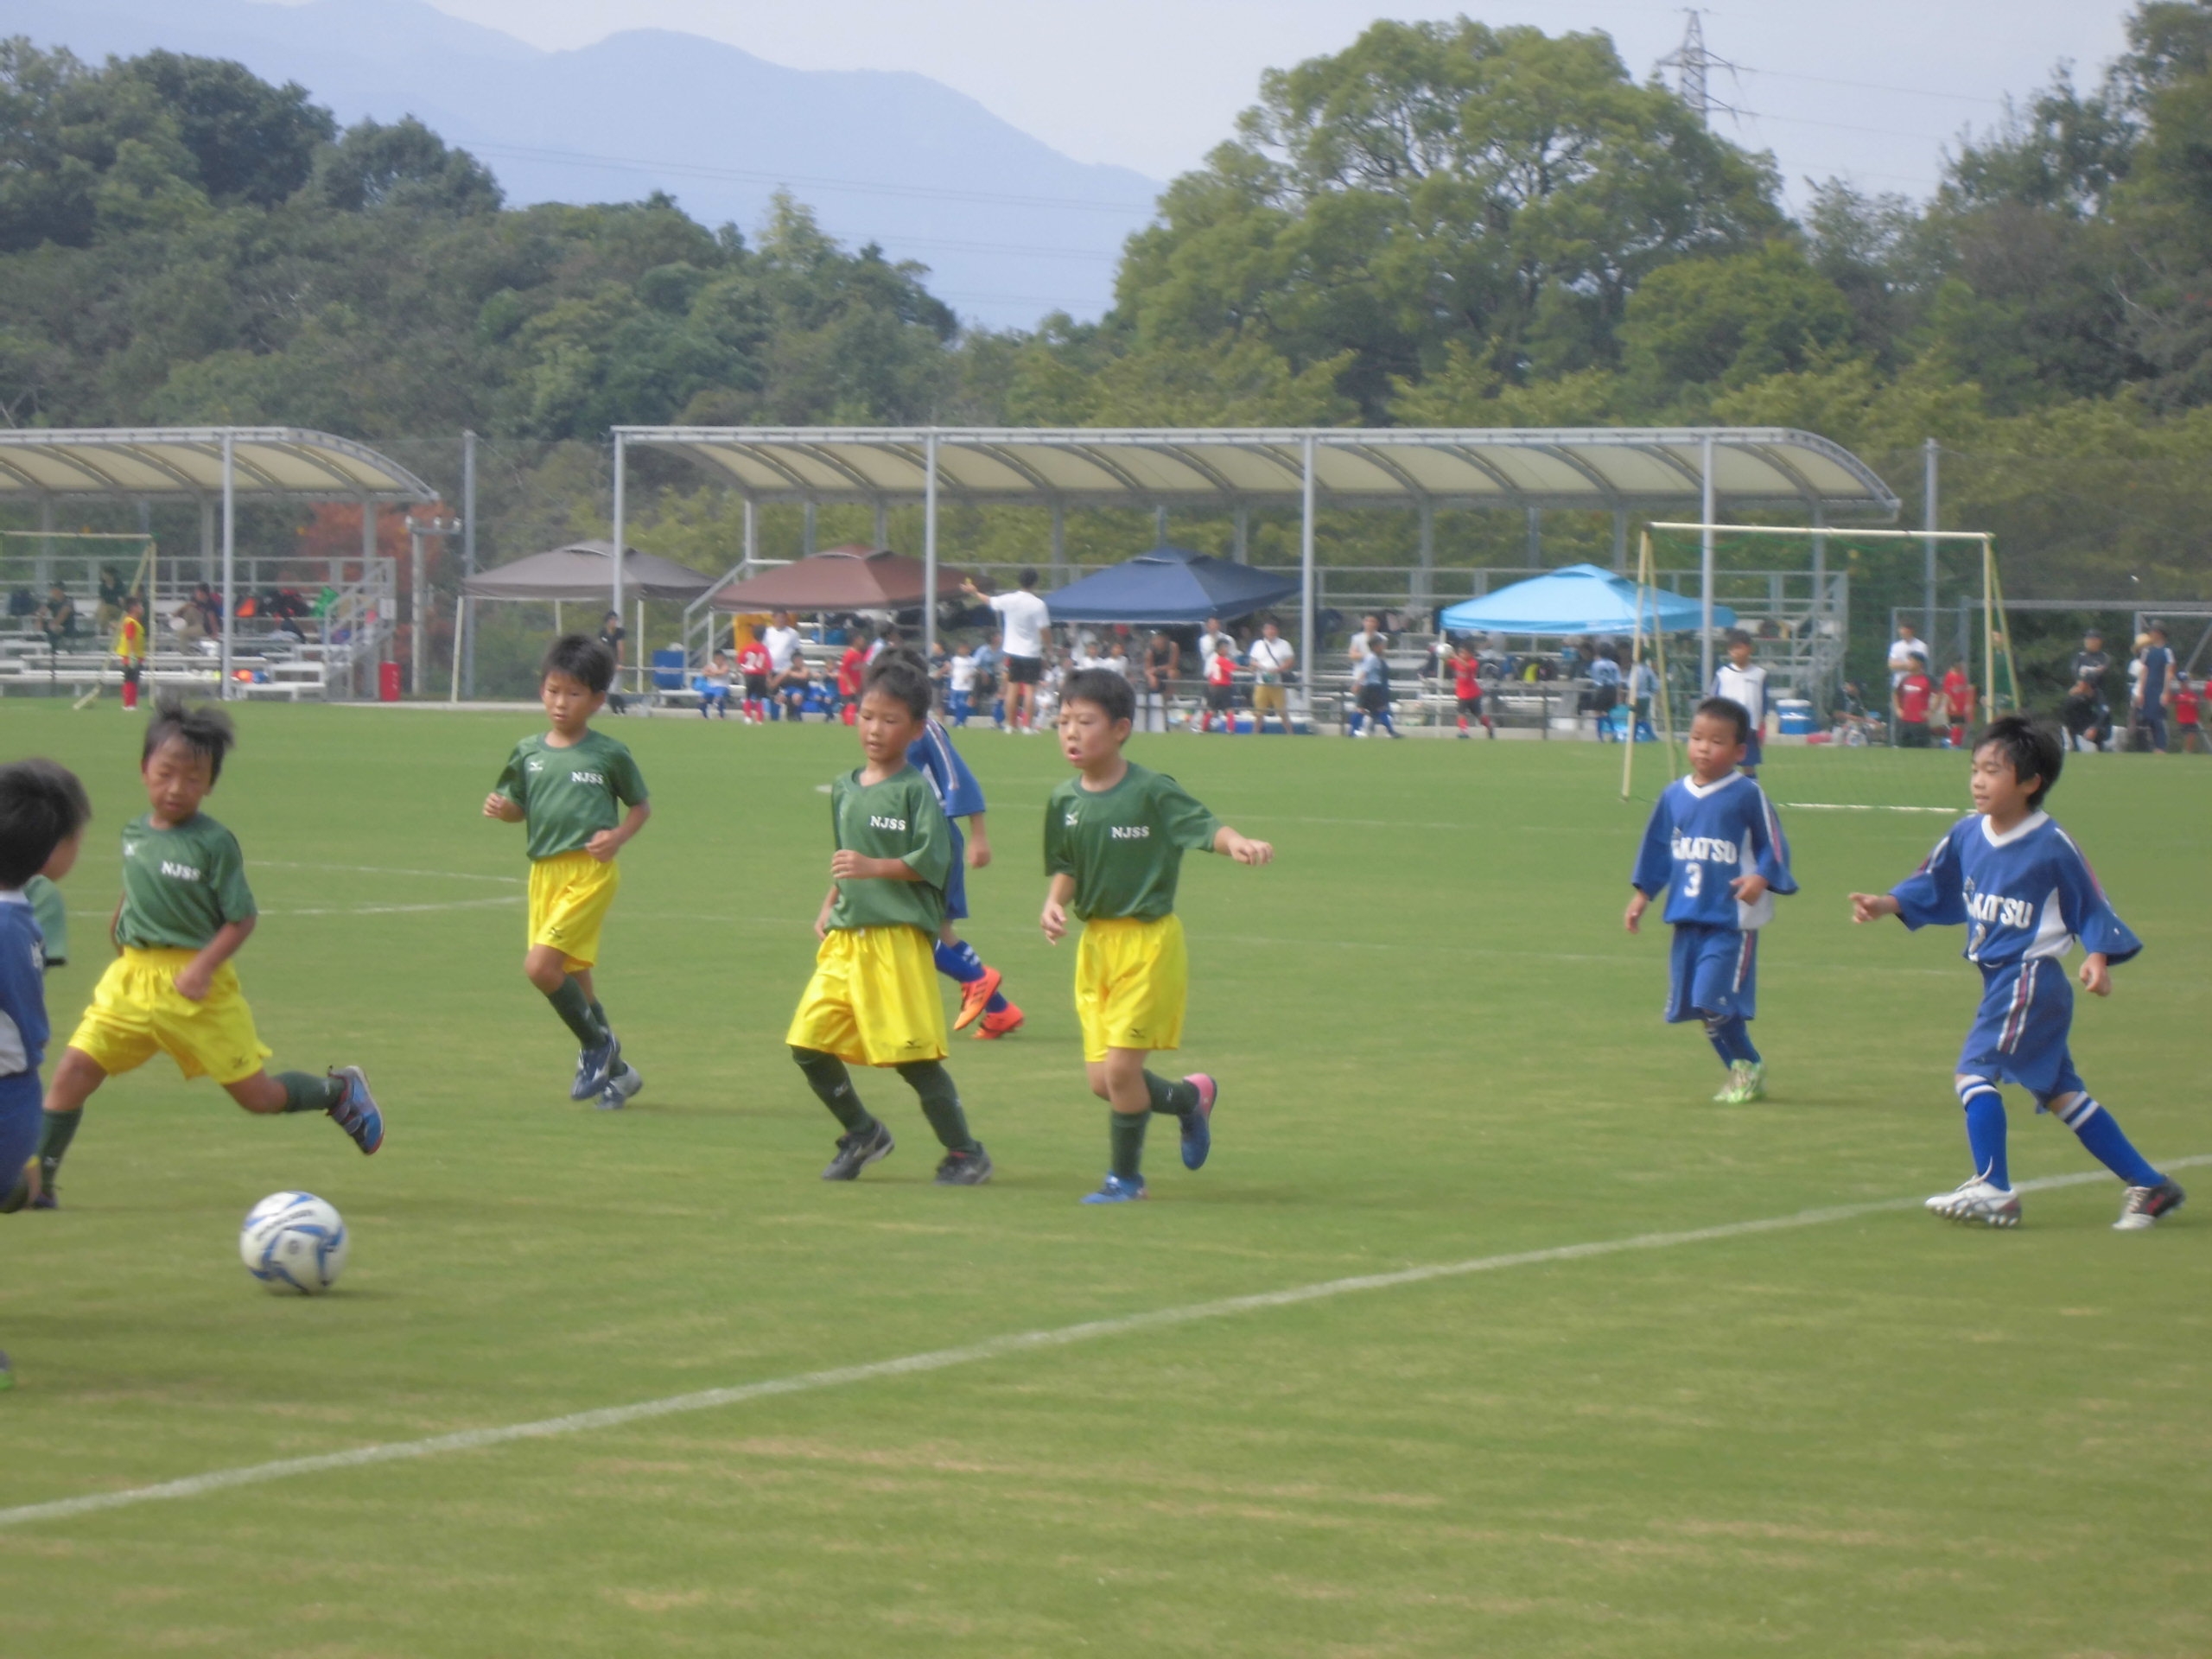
(1735, 637)
(42, 805)
(582, 659)
(1729, 709)
(2030, 750)
(1109, 691)
(200, 727)
(899, 676)
(1029, 575)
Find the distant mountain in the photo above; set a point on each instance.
(1010, 228)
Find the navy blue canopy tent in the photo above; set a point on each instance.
(1579, 599)
(1170, 585)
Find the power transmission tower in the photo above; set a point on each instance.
(1692, 65)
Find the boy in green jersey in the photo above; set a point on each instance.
(186, 911)
(570, 786)
(872, 999)
(1115, 837)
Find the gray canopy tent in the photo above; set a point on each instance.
(582, 571)
(1622, 469)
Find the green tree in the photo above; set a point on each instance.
(1701, 323)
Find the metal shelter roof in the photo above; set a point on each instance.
(1618, 468)
(139, 463)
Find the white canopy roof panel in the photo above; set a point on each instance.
(1625, 467)
(158, 461)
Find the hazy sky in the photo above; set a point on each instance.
(1872, 89)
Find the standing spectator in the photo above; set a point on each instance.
(1911, 700)
(130, 647)
(1269, 659)
(1117, 659)
(990, 663)
(1025, 616)
(1907, 651)
(112, 594)
(1643, 687)
(782, 640)
(1163, 660)
(1743, 682)
(1605, 689)
(1958, 702)
(2154, 690)
(1372, 677)
(2082, 715)
(1368, 641)
(752, 666)
(2188, 714)
(2093, 663)
(612, 634)
(852, 670)
(1467, 684)
(1214, 640)
(960, 686)
(1221, 695)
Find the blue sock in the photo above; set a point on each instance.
(2107, 1144)
(1716, 1033)
(1985, 1130)
(998, 1003)
(1738, 1035)
(959, 960)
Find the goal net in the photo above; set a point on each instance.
(1837, 618)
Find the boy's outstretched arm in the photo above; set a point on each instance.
(1242, 849)
(1872, 906)
(608, 842)
(503, 807)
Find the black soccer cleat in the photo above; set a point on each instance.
(857, 1151)
(2144, 1205)
(964, 1168)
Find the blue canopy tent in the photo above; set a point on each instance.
(1579, 599)
(1170, 585)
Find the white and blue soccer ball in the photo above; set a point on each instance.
(295, 1241)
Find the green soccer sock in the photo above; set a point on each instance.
(55, 1131)
(1177, 1099)
(599, 1013)
(305, 1092)
(576, 1011)
(833, 1087)
(1126, 1135)
(940, 1103)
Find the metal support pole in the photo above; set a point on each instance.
(459, 621)
(1536, 536)
(1929, 451)
(1159, 525)
(369, 585)
(1244, 546)
(414, 609)
(207, 538)
(230, 555)
(752, 534)
(1307, 646)
(638, 654)
(464, 618)
(44, 575)
(1425, 580)
(1820, 584)
(1705, 566)
(621, 455)
(806, 536)
(882, 523)
(1061, 576)
(1620, 540)
(929, 546)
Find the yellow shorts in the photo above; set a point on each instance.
(1131, 978)
(1270, 700)
(873, 999)
(569, 893)
(136, 1013)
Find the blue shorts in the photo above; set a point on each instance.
(1751, 754)
(2020, 1030)
(955, 880)
(20, 1100)
(1716, 971)
(956, 708)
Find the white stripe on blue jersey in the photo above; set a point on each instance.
(2025, 894)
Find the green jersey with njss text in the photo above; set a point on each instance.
(897, 818)
(52, 917)
(1124, 846)
(181, 885)
(568, 796)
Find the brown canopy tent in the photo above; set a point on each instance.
(582, 571)
(853, 578)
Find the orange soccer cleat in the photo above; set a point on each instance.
(1007, 1019)
(974, 996)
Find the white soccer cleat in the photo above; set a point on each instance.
(1976, 1200)
(2140, 1210)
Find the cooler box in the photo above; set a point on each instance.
(1794, 716)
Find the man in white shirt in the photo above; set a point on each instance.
(1908, 651)
(1211, 642)
(1270, 660)
(1024, 616)
(1743, 682)
(782, 640)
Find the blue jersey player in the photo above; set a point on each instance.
(2020, 888)
(1715, 848)
(962, 796)
(42, 815)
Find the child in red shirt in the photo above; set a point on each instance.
(1467, 685)
(1916, 695)
(1958, 703)
(753, 662)
(2189, 713)
(850, 668)
(1220, 678)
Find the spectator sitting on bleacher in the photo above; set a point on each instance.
(59, 621)
(714, 687)
(791, 689)
(111, 590)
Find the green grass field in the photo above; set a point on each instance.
(1870, 1434)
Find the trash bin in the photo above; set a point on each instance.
(387, 682)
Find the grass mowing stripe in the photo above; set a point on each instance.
(469, 1440)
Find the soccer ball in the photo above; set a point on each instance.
(294, 1241)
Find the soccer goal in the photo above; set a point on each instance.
(1827, 609)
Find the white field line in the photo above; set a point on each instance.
(499, 903)
(380, 870)
(939, 1359)
(1856, 806)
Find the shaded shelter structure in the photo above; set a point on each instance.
(1579, 599)
(1618, 469)
(584, 570)
(1169, 586)
(853, 578)
(210, 467)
